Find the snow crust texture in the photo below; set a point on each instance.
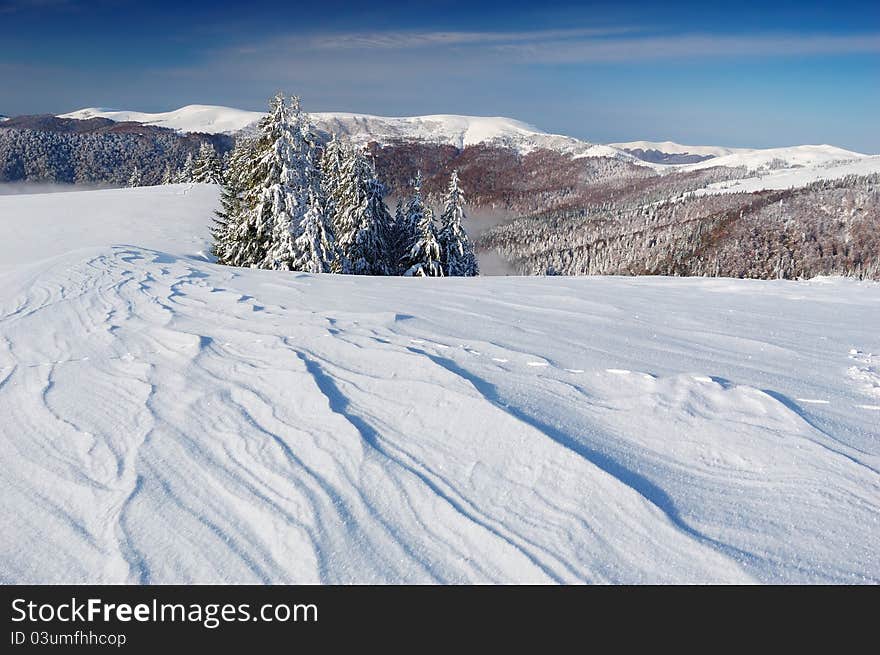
(168, 420)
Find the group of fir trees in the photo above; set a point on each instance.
(206, 167)
(284, 206)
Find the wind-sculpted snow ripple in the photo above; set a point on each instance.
(168, 420)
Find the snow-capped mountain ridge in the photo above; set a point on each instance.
(463, 131)
(209, 119)
(456, 130)
(448, 129)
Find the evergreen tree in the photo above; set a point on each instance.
(230, 225)
(315, 247)
(398, 239)
(259, 180)
(291, 187)
(361, 219)
(407, 222)
(278, 185)
(168, 175)
(422, 256)
(207, 167)
(331, 171)
(135, 178)
(185, 174)
(457, 252)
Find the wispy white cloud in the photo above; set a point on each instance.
(383, 68)
(689, 46)
(398, 40)
(559, 46)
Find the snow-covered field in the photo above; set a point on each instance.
(165, 419)
(792, 178)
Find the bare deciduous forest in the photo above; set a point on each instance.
(826, 228)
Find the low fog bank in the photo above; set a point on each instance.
(31, 188)
(479, 221)
(492, 263)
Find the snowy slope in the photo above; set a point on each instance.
(672, 148)
(776, 168)
(750, 158)
(208, 119)
(776, 158)
(166, 419)
(792, 178)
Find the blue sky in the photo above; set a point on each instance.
(744, 73)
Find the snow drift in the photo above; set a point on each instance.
(167, 420)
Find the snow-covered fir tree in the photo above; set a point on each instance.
(168, 175)
(231, 227)
(135, 178)
(185, 174)
(207, 167)
(423, 254)
(331, 171)
(361, 221)
(406, 221)
(457, 251)
(291, 186)
(279, 185)
(398, 239)
(249, 230)
(315, 247)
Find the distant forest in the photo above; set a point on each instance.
(94, 151)
(826, 228)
